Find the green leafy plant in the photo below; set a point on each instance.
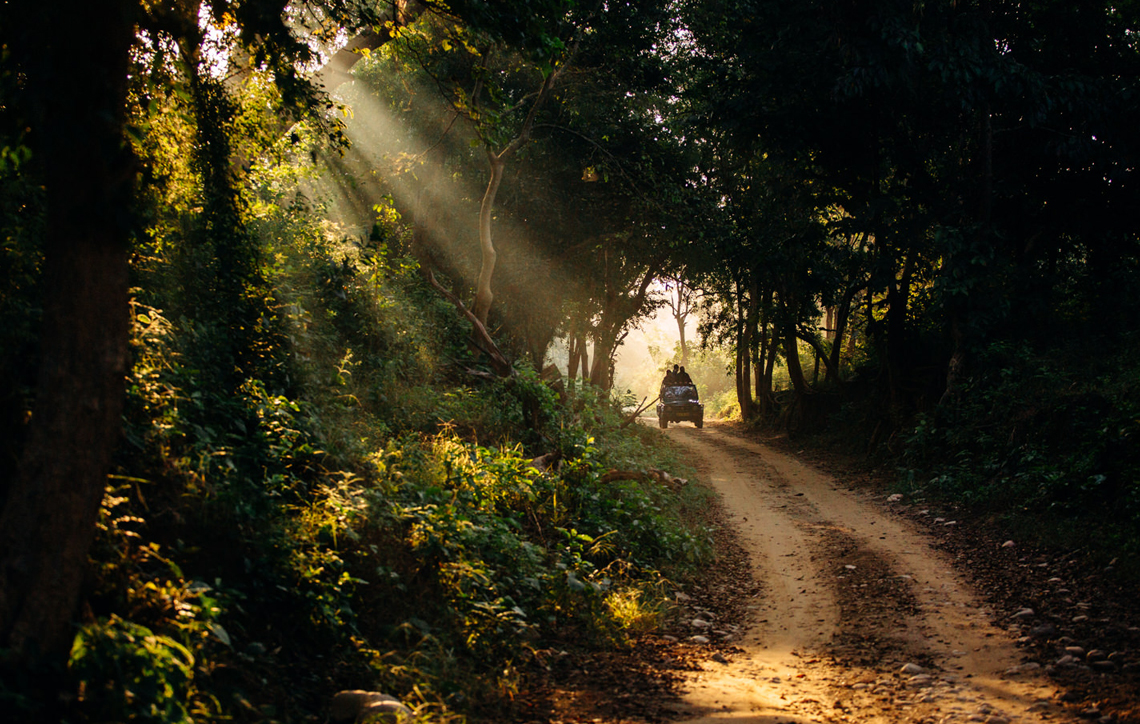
(126, 672)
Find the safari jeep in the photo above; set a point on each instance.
(680, 402)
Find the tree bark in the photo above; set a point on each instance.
(621, 304)
(842, 314)
(898, 299)
(769, 370)
(584, 355)
(742, 354)
(572, 354)
(600, 373)
(681, 337)
(75, 55)
(483, 294)
(795, 371)
(765, 359)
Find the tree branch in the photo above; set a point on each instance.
(481, 337)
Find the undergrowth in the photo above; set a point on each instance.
(1045, 442)
(356, 509)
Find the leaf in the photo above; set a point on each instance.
(219, 632)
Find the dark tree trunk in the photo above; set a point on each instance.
(572, 356)
(795, 371)
(754, 333)
(75, 58)
(743, 361)
(758, 364)
(842, 312)
(765, 360)
(584, 355)
(898, 298)
(765, 391)
(601, 370)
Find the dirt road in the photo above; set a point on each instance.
(859, 618)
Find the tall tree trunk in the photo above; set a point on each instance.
(984, 206)
(758, 364)
(583, 346)
(842, 312)
(766, 358)
(681, 336)
(75, 55)
(898, 299)
(851, 338)
(792, 350)
(765, 390)
(572, 354)
(681, 309)
(600, 372)
(743, 359)
(752, 323)
(487, 254)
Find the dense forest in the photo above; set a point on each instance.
(309, 314)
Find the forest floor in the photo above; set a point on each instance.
(833, 600)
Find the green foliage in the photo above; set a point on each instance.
(127, 673)
(723, 406)
(1044, 440)
(354, 497)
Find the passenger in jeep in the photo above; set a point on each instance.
(683, 378)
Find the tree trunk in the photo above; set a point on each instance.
(76, 63)
(957, 361)
(792, 350)
(898, 298)
(584, 353)
(758, 373)
(752, 324)
(572, 354)
(743, 360)
(766, 382)
(842, 312)
(766, 358)
(487, 253)
(600, 372)
(681, 336)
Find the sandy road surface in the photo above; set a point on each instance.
(851, 595)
